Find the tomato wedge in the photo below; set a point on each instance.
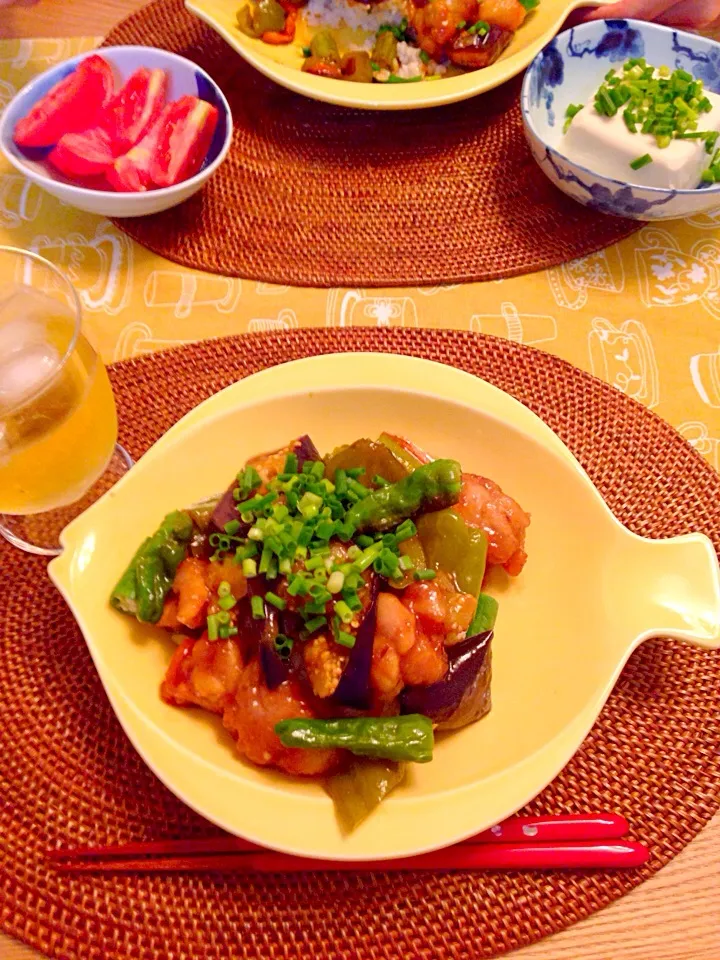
(72, 105)
(131, 172)
(185, 138)
(79, 155)
(131, 112)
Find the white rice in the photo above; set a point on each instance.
(410, 63)
(346, 13)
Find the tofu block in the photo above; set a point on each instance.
(606, 146)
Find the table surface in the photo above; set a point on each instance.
(674, 916)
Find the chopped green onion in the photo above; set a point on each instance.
(345, 639)
(641, 162)
(232, 527)
(283, 645)
(315, 624)
(572, 111)
(249, 568)
(257, 608)
(291, 463)
(298, 586)
(256, 504)
(255, 533)
(461, 24)
(405, 531)
(309, 505)
(343, 611)
(424, 574)
(335, 581)
(275, 600)
(224, 589)
(212, 627)
(227, 603)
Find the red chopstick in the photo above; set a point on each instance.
(553, 827)
(545, 842)
(591, 854)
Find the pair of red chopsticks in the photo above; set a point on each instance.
(565, 841)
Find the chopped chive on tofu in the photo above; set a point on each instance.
(641, 162)
(572, 111)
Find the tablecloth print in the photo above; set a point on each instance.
(643, 315)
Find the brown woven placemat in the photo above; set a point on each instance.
(316, 195)
(68, 775)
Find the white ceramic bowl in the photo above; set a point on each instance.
(570, 69)
(184, 77)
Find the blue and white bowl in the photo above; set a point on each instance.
(184, 77)
(570, 69)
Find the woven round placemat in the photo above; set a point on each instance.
(316, 195)
(68, 774)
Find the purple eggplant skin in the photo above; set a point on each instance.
(226, 510)
(274, 668)
(463, 695)
(353, 690)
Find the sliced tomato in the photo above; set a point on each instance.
(131, 172)
(72, 105)
(184, 141)
(79, 155)
(131, 113)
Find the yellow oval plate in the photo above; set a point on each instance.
(590, 593)
(283, 63)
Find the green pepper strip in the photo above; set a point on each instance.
(433, 486)
(142, 589)
(484, 617)
(391, 738)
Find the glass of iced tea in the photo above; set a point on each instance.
(58, 423)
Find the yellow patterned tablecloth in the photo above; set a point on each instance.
(644, 315)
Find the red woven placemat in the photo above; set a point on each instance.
(68, 774)
(316, 195)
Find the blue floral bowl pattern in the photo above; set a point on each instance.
(570, 69)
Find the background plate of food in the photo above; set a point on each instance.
(389, 55)
(200, 704)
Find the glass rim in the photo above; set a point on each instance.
(72, 343)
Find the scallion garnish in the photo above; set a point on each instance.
(424, 574)
(641, 162)
(663, 103)
(345, 639)
(257, 608)
(572, 111)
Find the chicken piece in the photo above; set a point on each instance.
(324, 661)
(192, 592)
(508, 14)
(483, 504)
(403, 650)
(251, 719)
(439, 608)
(436, 23)
(203, 673)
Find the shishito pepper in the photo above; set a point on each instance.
(453, 546)
(390, 738)
(143, 587)
(433, 486)
(408, 459)
(373, 457)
